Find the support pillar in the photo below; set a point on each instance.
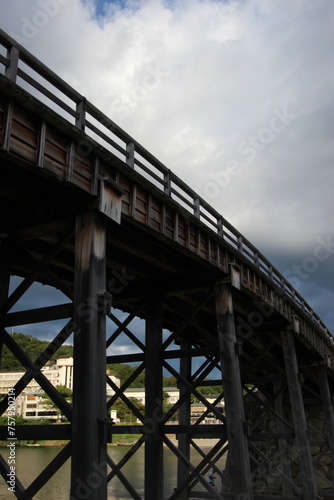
(89, 448)
(282, 443)
(5, 257)
(235, 417)
(327, 408)
(298, 414)
(184, 419)
(153, 402)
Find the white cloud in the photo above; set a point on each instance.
(196, 83)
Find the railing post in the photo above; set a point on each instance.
(197, 208)
(220, 227)
(13, 57)
(130, 159)
(80, 121)
(256, 259)
(167, 183)
(240, 244)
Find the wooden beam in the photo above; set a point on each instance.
(39, 315)
(153, 402)
(38, 432)
(298, 414)
(28, 281)
(5, 265)
(184, 419)
(282, 440)
(327, 407)
(89, 454)
(234, 407)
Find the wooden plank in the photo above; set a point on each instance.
(110, 201)
(156, 215)
(56, 151)
(24, 134)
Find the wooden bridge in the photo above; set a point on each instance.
(87, 210)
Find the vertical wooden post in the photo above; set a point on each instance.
(89, 459)
(153, 402)
(282, 443)
(5, 265)
(327, 408)
(184, 419)
(298, 414)
(236, 432)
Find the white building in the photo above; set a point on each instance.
(30, 404)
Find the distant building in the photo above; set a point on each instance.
(196, 411)
(30, 404)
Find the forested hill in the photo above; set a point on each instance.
(33, 347)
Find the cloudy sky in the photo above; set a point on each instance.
(235, 96)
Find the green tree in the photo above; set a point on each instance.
(124, 371)
(33, 347)
(123, 411)
(50, 404)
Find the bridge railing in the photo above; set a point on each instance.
(27, 71)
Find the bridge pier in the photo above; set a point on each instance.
(327, 408)
(184, 419)
(89, 446)
(232, 386)
(298, 416)
(153, 402)
(282, 443)
(5, 257)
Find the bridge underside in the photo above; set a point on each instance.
(135, 270)
(197, 321)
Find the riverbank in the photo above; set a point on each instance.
(118, 440)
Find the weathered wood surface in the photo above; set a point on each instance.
(58, 154)
(162, 252)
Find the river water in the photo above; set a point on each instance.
(31, 461)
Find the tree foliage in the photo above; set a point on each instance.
(33, 347)
(124, 413)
